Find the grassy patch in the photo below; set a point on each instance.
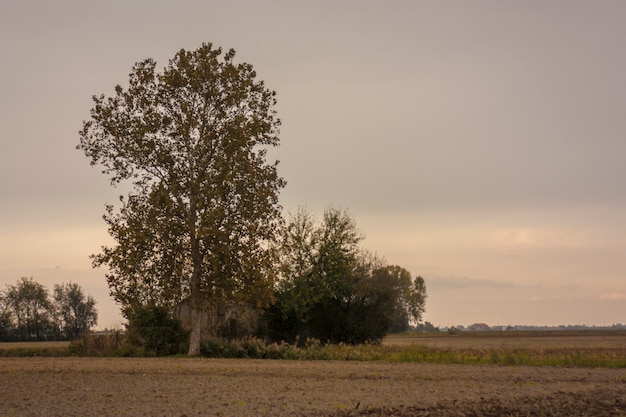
(25, 349)
(576, 357)
(531, 354)
(581, 357)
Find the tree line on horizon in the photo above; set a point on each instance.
(29, 313)
(202, 224)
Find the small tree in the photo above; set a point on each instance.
(333, 290)
(426, 327)
(29, 304)
(77, 312)
(405, 297)
(314, 264)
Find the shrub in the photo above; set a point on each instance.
(155, 330)
(112, 343)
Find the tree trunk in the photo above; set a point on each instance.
(195, 298)
(196, 330)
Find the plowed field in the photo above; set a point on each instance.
(213, 387)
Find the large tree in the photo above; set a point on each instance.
(203, 211)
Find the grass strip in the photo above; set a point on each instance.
(408, 353)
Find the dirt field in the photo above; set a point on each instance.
(204, 387)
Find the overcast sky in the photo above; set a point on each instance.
(480, 144)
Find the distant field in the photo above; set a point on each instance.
(467, 340)
(34, 345)
(515, 340)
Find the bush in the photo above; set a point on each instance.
(250, 348)
(112, 343)
(155, 330)
(224, 348)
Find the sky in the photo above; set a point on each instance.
(479, 144)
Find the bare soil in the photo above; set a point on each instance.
(218, 387)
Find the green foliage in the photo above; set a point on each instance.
(313, 350)
(193, 141)
(252, 348)
(155, 330)
(332, 290)
(77, 312)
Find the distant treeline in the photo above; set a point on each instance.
(562, 327)
(29, 313)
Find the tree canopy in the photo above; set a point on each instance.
(333, 290)
(203, 210)
(77, 312)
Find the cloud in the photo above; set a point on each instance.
(439, 282)
(565, 237)
(613, 296)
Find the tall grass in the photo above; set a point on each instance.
(115, 345)
(580, 357)
(313, 350)
(44, 349)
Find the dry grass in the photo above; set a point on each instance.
(584, 349)
(34, 345)
(514, 340)
(25, 349)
